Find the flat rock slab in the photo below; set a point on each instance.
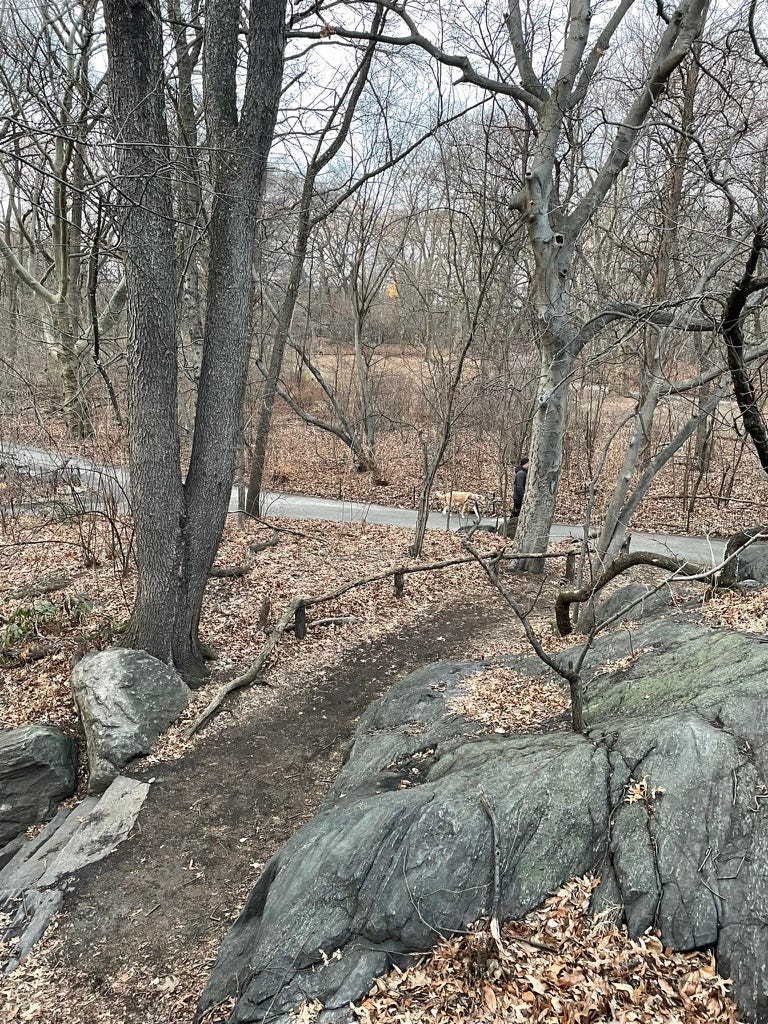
(107, 824)
(30, 922)
(32, 881)
(662, 796)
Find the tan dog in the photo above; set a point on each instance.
(462, 502)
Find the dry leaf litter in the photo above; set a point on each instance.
(557, 966)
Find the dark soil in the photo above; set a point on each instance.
(213, 818)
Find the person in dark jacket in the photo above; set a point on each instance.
(521, 476)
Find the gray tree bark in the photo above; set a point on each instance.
(179, 527)
(135, 44)
(553, 234)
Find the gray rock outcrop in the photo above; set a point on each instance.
(632, 601)
(38, 769)
(749, 565)
(665, 796)
(33, 880)
(127, 699)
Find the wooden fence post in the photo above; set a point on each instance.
(300, 620)
(570, 566)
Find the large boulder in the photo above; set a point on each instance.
(632, 601)
(662, 795)
(127, 699)
(38, 769)
(748, 558)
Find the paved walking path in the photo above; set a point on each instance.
(295, 506)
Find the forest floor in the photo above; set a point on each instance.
(139, 932)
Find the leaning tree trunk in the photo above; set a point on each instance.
(743, 389)
(282, 334)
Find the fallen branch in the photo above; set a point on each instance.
(496, 853)
(243, 570)
(334, 620)
(251, 676)
(46, 586)
(13, 658)
(231, 571)
(277, 529)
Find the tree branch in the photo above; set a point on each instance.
(733, 336)
(415, 38)
(568, 597)
(683, 28)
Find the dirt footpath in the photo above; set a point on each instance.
(160, 904)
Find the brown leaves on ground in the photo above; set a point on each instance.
(45, 990)
(315, 558)
(747, 613)
(506, 701)
(311, 558)
(590, 971)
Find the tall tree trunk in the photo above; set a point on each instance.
(538, 510)
(178, 529)
(135, 45)
(190, 205)
(77, 414)
(277, 354)
(553, 233)
(365, 394)
(240, 155)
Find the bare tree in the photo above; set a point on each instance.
(554, 85)
(330, 141)
(179, 525)
(54, 103)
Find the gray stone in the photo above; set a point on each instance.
(127, 699)
(38, 769)
(29, 924)
(750, 564)
(632, 601)
(107, 824)
(9, 851)
(401, 850)
(33, 880)
(25, 869)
